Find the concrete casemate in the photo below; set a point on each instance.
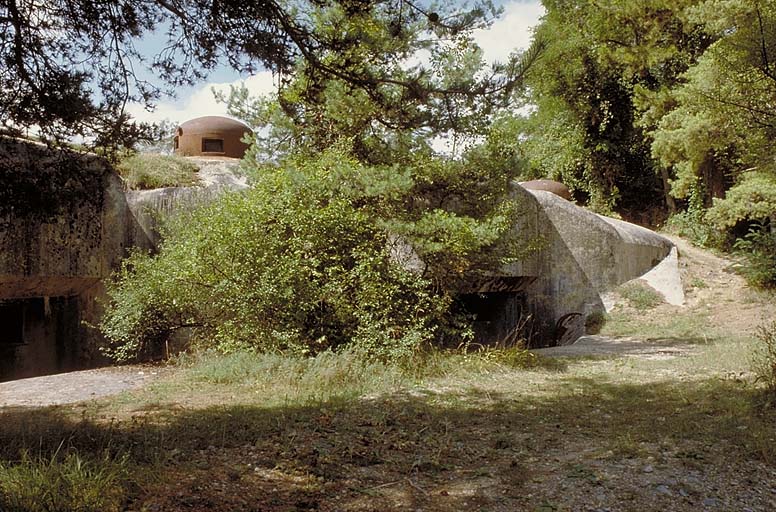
(66, 223)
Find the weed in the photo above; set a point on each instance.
(595, 322)
(640, 295)
(298, 378)
(63, 483)
(758, 249)
(147, 171)
(697, 282)
(764, 359)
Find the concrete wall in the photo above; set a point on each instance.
(64, 226)
(582, 256)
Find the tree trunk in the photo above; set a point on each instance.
(670, 202)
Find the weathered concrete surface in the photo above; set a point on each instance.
(64, 227)
(666, 279)
(216, 175)
(582, 257)
(63, 221)
(556, 187)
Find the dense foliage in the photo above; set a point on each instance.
(656, 108)
(320, 253)
(68, 67)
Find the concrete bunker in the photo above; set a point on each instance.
(582, 258)
(211, 136)
(66, 223)
(64, 227)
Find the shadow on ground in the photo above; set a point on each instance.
(473, 450)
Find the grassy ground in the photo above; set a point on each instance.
(148, 171)
(669, 430)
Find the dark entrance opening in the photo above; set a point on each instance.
(11, 323)
(499, 317)
(38, 336)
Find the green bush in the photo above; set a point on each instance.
(63, 484)
(306, 261)
(764, 359)
(146, 171)
(752, 198)
(758, 250)
(694, 225)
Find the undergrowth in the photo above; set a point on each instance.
(149, 171)
(295, 378)
(764, 360)
(63, 484)
(640, 295)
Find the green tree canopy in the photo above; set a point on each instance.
(69, 67)
(602, 84)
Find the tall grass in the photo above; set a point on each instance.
(148, 171)
(347, 374)
(296, 378)
(63, 484)
(764, 359)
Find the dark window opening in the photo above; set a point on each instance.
(12, 323)
(212, 145)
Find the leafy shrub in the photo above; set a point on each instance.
(758, 249)
(307, 261)
(62, 484)
(752, 198)
(693, 224)
(764, 359)
(147, 171)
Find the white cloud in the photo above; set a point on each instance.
(511, 31)
(201, 101)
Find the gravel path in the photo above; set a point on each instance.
(66, 388)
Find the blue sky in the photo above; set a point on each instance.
(510, 31)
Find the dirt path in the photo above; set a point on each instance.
(66, 388)
(596, 345)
